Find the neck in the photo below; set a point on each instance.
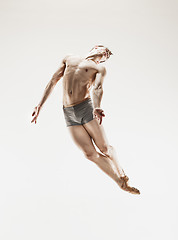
(95, 59)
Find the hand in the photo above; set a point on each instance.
(36, 113)
(98, 113)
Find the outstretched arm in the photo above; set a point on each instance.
(50, 86)
(97, 93)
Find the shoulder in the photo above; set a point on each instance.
(66, 58)
(102, 70)
(72, 57)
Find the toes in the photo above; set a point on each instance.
(125, 186)
(135, 191)
(131, 190)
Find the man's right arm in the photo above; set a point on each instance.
(52, 83)
(50, 86)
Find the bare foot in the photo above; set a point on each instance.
(124, 185)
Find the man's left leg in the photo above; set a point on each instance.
(96, 131)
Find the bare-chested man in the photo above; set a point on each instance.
(84, 117)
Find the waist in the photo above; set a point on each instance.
(77, 103)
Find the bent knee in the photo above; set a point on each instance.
(106, 149)
(92, 156)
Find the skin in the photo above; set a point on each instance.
(79, 76)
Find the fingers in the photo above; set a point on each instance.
(34, 119)
(98, 117)
(35, 110)
(99, 114)
(100, 120)
(35, 114)
(102, 113)
(94, 116)
(101, 117)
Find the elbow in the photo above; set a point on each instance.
(55, 79)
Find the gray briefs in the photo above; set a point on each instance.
(79, 114)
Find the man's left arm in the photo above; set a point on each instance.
(97, 93)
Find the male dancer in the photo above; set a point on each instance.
(84, 117)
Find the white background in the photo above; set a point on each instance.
(48, 190)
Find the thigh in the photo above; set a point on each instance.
(96, 131)
(82, 139)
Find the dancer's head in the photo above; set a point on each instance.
(100, 53)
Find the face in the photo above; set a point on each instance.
(100, 51)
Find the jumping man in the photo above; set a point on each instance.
(82, 115)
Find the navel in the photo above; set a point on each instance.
(86, 70)
(71, 92)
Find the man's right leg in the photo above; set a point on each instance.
(97, 133)
(84, 142)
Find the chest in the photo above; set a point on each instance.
(81, 67)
